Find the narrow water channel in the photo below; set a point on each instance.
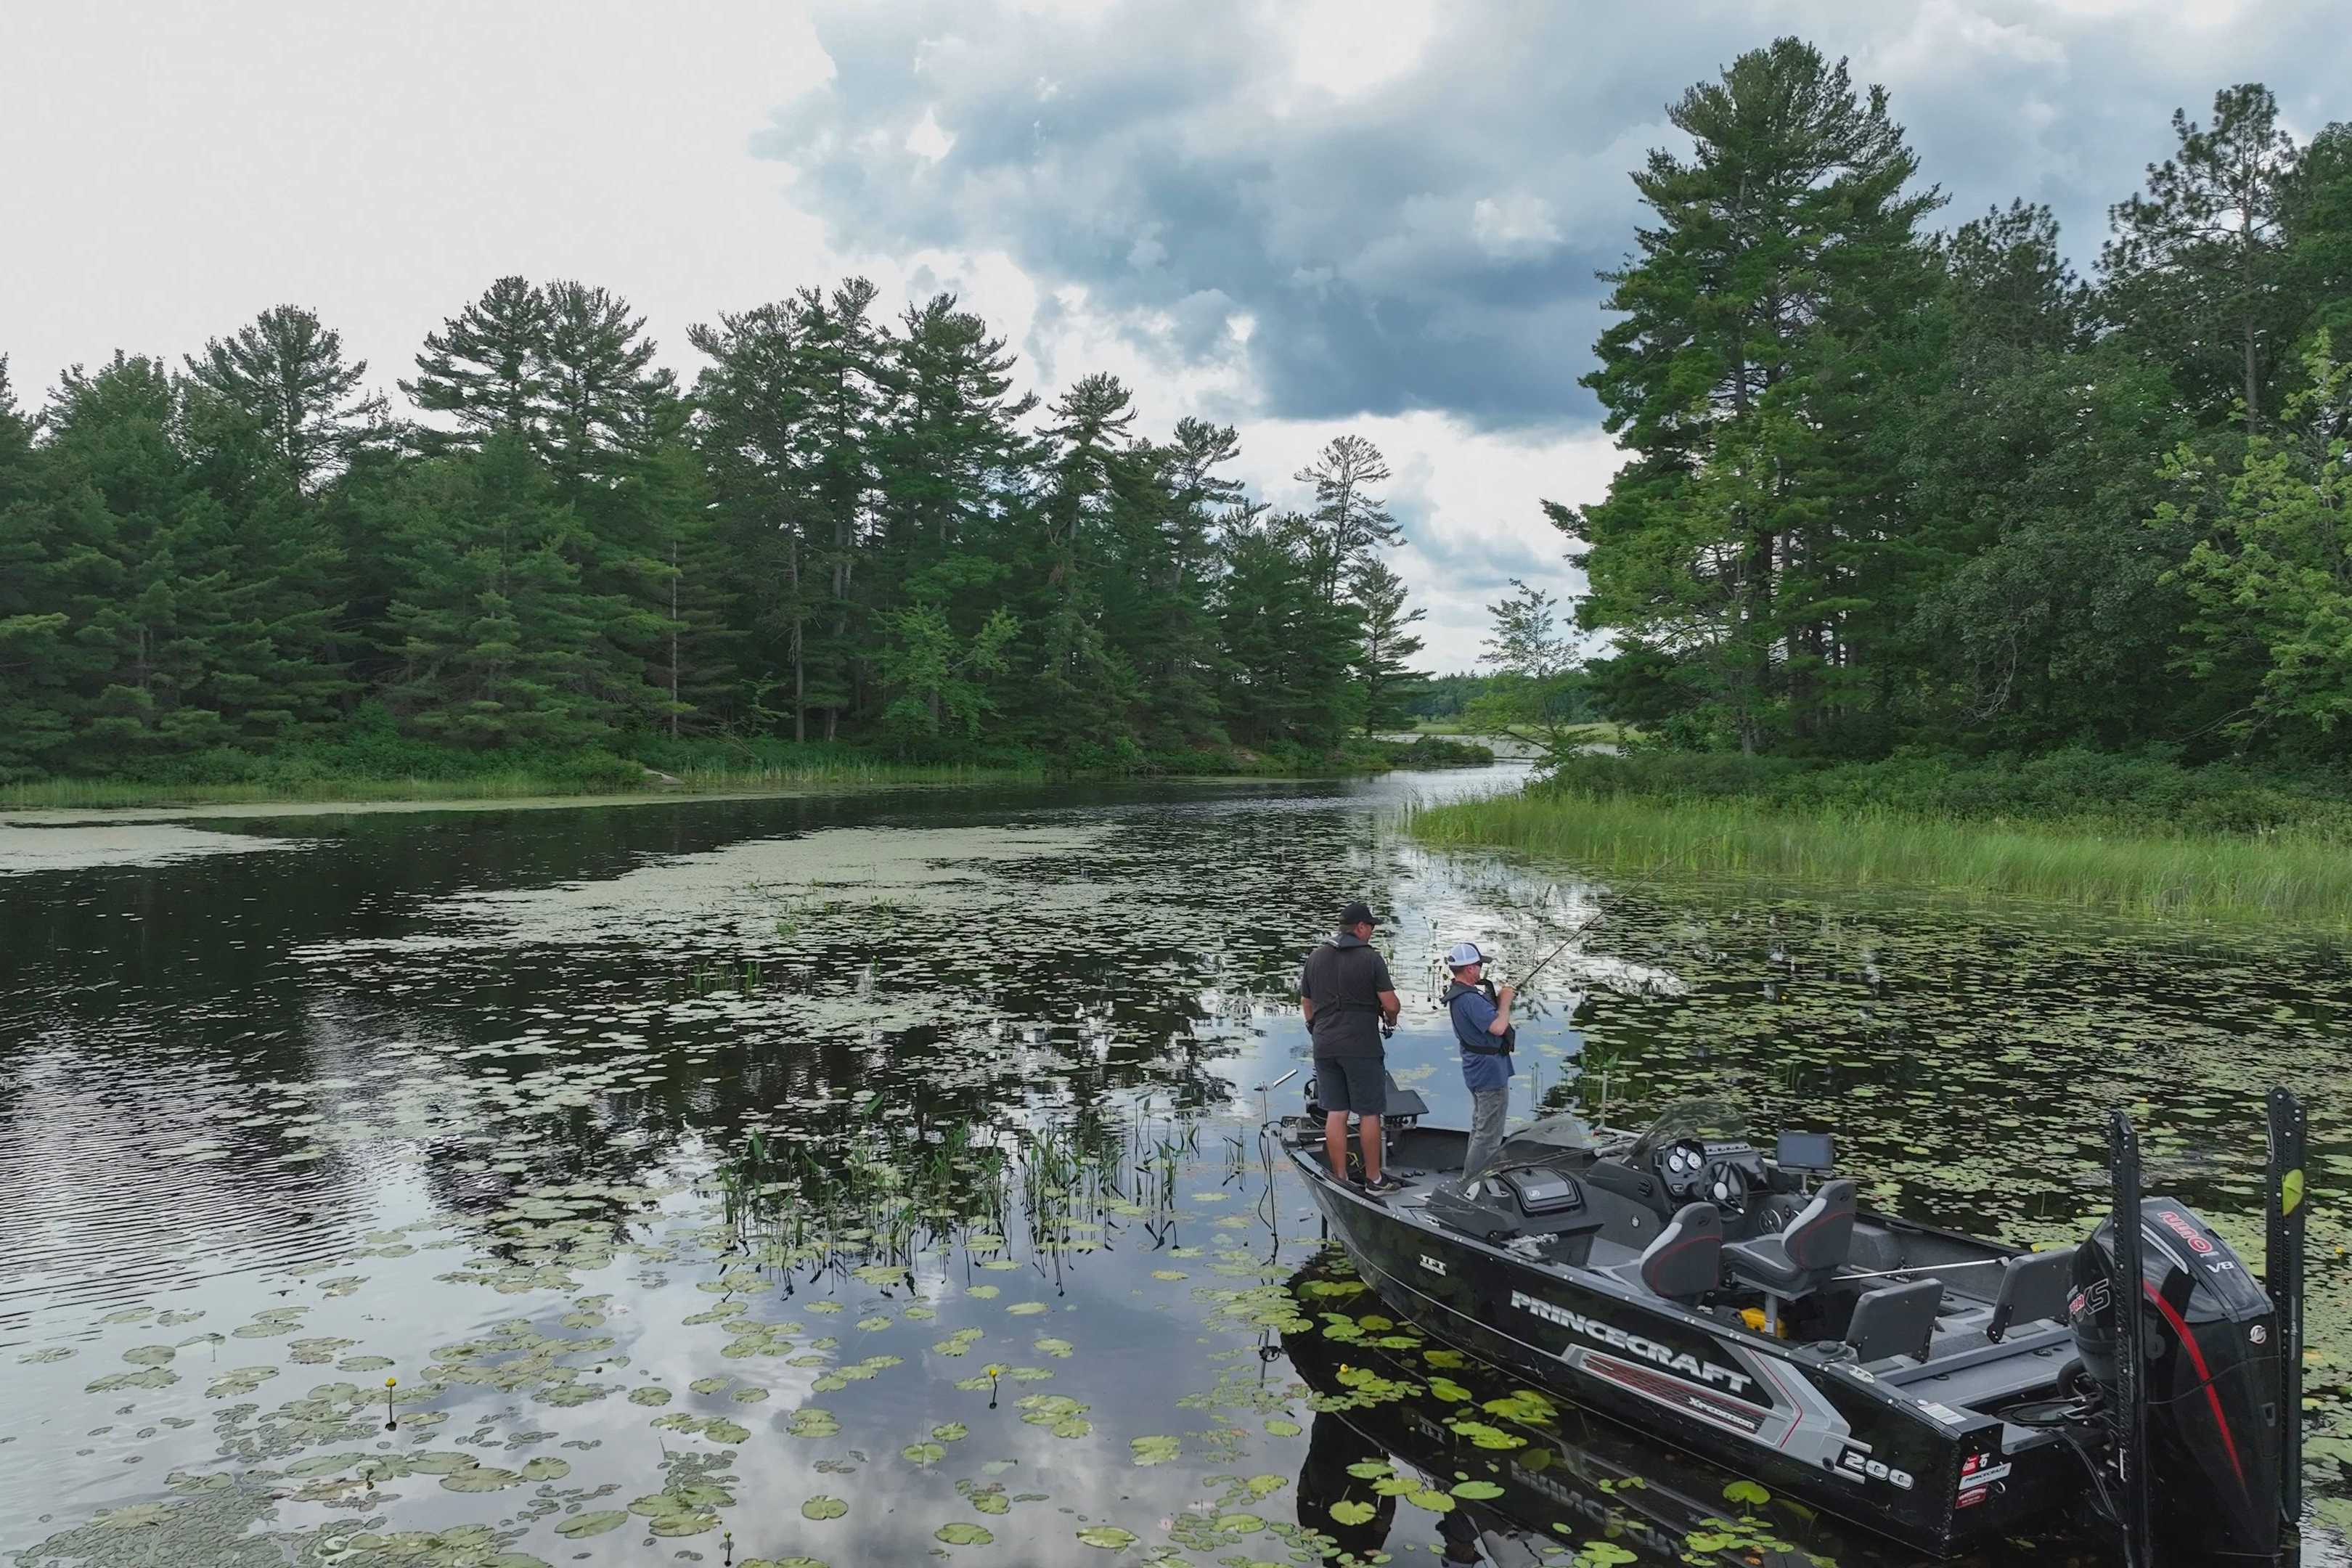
(854, 1181)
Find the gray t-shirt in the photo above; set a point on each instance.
(1344, 978)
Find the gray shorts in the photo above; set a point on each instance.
(1360, 1084)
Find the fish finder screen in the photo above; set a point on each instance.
(1806, 1151)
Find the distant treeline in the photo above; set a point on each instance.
(847, 529)
(1889, 486)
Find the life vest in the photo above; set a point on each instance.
(1341, 1004)
(1509, 1039)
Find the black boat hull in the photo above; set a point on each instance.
(1936, 1480)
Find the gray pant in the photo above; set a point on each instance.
(1489, 1108)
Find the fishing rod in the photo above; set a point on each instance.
(1598, 914)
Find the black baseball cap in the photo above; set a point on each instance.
(1357, 913)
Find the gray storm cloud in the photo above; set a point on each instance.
(1430, 241)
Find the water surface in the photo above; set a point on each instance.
(848, 1181)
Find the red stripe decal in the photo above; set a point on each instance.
(2197, 1359)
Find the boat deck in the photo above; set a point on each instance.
(1964, 1366)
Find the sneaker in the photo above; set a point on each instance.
(1385, 1185)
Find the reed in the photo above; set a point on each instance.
(829, 773)
(2302, 876)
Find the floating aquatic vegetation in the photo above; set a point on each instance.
(646, 1109)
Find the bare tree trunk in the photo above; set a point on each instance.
(673, 639)
(800, 659)
(2254, 381)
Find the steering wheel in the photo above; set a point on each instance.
(1725, 1182)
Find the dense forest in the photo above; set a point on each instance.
(1889, 486)
(847, 528)
(1894, 488)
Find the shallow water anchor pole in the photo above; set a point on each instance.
(2283, 1274)
(2131, 1360)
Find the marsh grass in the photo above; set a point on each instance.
(2303, 876)
(830, 772)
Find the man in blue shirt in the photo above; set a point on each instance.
(1482, 1026)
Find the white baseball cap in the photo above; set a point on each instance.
(1462, 955)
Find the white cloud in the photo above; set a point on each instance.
(1468, 500)
(1349, 47)
(927, 141)
(1517, 228)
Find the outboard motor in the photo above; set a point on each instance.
(2215, 1391)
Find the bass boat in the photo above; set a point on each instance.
(1940, 1388)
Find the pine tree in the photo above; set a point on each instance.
(275, 661)
(499, 644)
(2195, 272)
(1352, 521)
(751, 404)
(1742, 537)
(286, 373)
(2037, 613)
(486, 368)
(1169, 503)
(842, 363)
(1287, 646)
(602, 399)
(1083, 687)
(1389, 683)
(37, 661)
(153, 571)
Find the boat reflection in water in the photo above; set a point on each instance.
(1396, 1430)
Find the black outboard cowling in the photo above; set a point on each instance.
(2216, 1394)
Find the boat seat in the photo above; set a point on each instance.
(2033, 1286)
(1895, 1320)
(1685, 1261)
(1801, 1256)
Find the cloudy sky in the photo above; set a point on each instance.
(1300, 217)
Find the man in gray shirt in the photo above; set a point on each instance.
(1347, 995)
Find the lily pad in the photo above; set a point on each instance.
(694, 1522)
(1155, 1450)
(481, 1479)
(238, 1381)
(596, 1524)
(1109, 1537)
(822, 1507)
(964, 1534)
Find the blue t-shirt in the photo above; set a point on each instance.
(1480, 1069)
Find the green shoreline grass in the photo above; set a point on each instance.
(67, 794)
(2300, 877)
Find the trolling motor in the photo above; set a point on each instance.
(2196, 1416)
